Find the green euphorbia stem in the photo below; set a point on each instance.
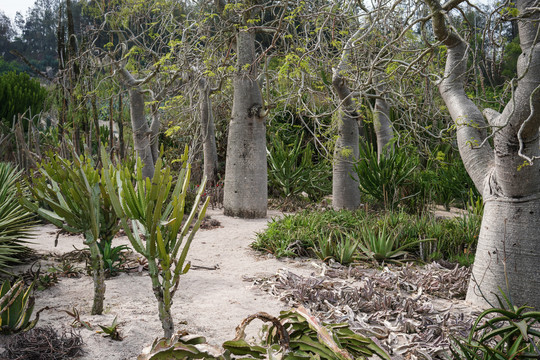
(163, 298)
(98, 273)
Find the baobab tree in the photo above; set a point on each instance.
(246, 181)
(507, 173)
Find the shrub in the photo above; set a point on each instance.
(503, 332)
(292, 171)
(18, 94)
(75, 193)
(156, 210)
(16, 307)
(384, 178)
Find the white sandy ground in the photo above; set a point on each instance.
(208, 302)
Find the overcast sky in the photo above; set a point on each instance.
(10, 7)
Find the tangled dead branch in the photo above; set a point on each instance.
(43, 344)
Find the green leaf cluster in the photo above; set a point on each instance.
(75, 194)
(291, 170)
(503, 332)
(339, 234)
(383, 177)
(16, 222)
(18, 94)
(16, 307)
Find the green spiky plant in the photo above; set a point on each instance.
(16, 222)
(499, 333)
(295, 335)
(74, 192)
(16, 307)
(145, 202)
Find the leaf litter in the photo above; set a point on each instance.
(410, 310)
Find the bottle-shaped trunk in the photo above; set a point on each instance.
(245, 189)
(345, 191)
(508, 253)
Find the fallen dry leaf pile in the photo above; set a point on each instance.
(399, 306)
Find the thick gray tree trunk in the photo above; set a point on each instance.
(154, 132)
(208, 132)
(382, 124)
(508, 250)
(145, 136)
(141, 132)
(245, 190)
(345, 191)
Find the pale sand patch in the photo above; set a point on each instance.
(209, 302)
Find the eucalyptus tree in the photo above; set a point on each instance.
(503, 162)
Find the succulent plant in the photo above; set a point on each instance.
(296, 334)
(16, 307)
(155, 208)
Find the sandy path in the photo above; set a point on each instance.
(209, 302)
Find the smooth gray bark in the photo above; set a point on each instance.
(208, 133)
(145, 136)
(154, 133)
(246, 184)
(141, 132)
(382, 124)
(508, 247)
(345, 190)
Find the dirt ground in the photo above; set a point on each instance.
(213, 297)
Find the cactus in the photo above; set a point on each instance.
(143, 201)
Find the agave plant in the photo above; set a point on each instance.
(382, 244)
(291, 170)
(500, 333)
(16, 307)
(145, 202)
(16, 222)
(74, 192)
(340, 246)
(383, 178)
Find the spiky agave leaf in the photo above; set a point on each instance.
(16, 222)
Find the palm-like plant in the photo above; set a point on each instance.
(16, 222)
(75, 194)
